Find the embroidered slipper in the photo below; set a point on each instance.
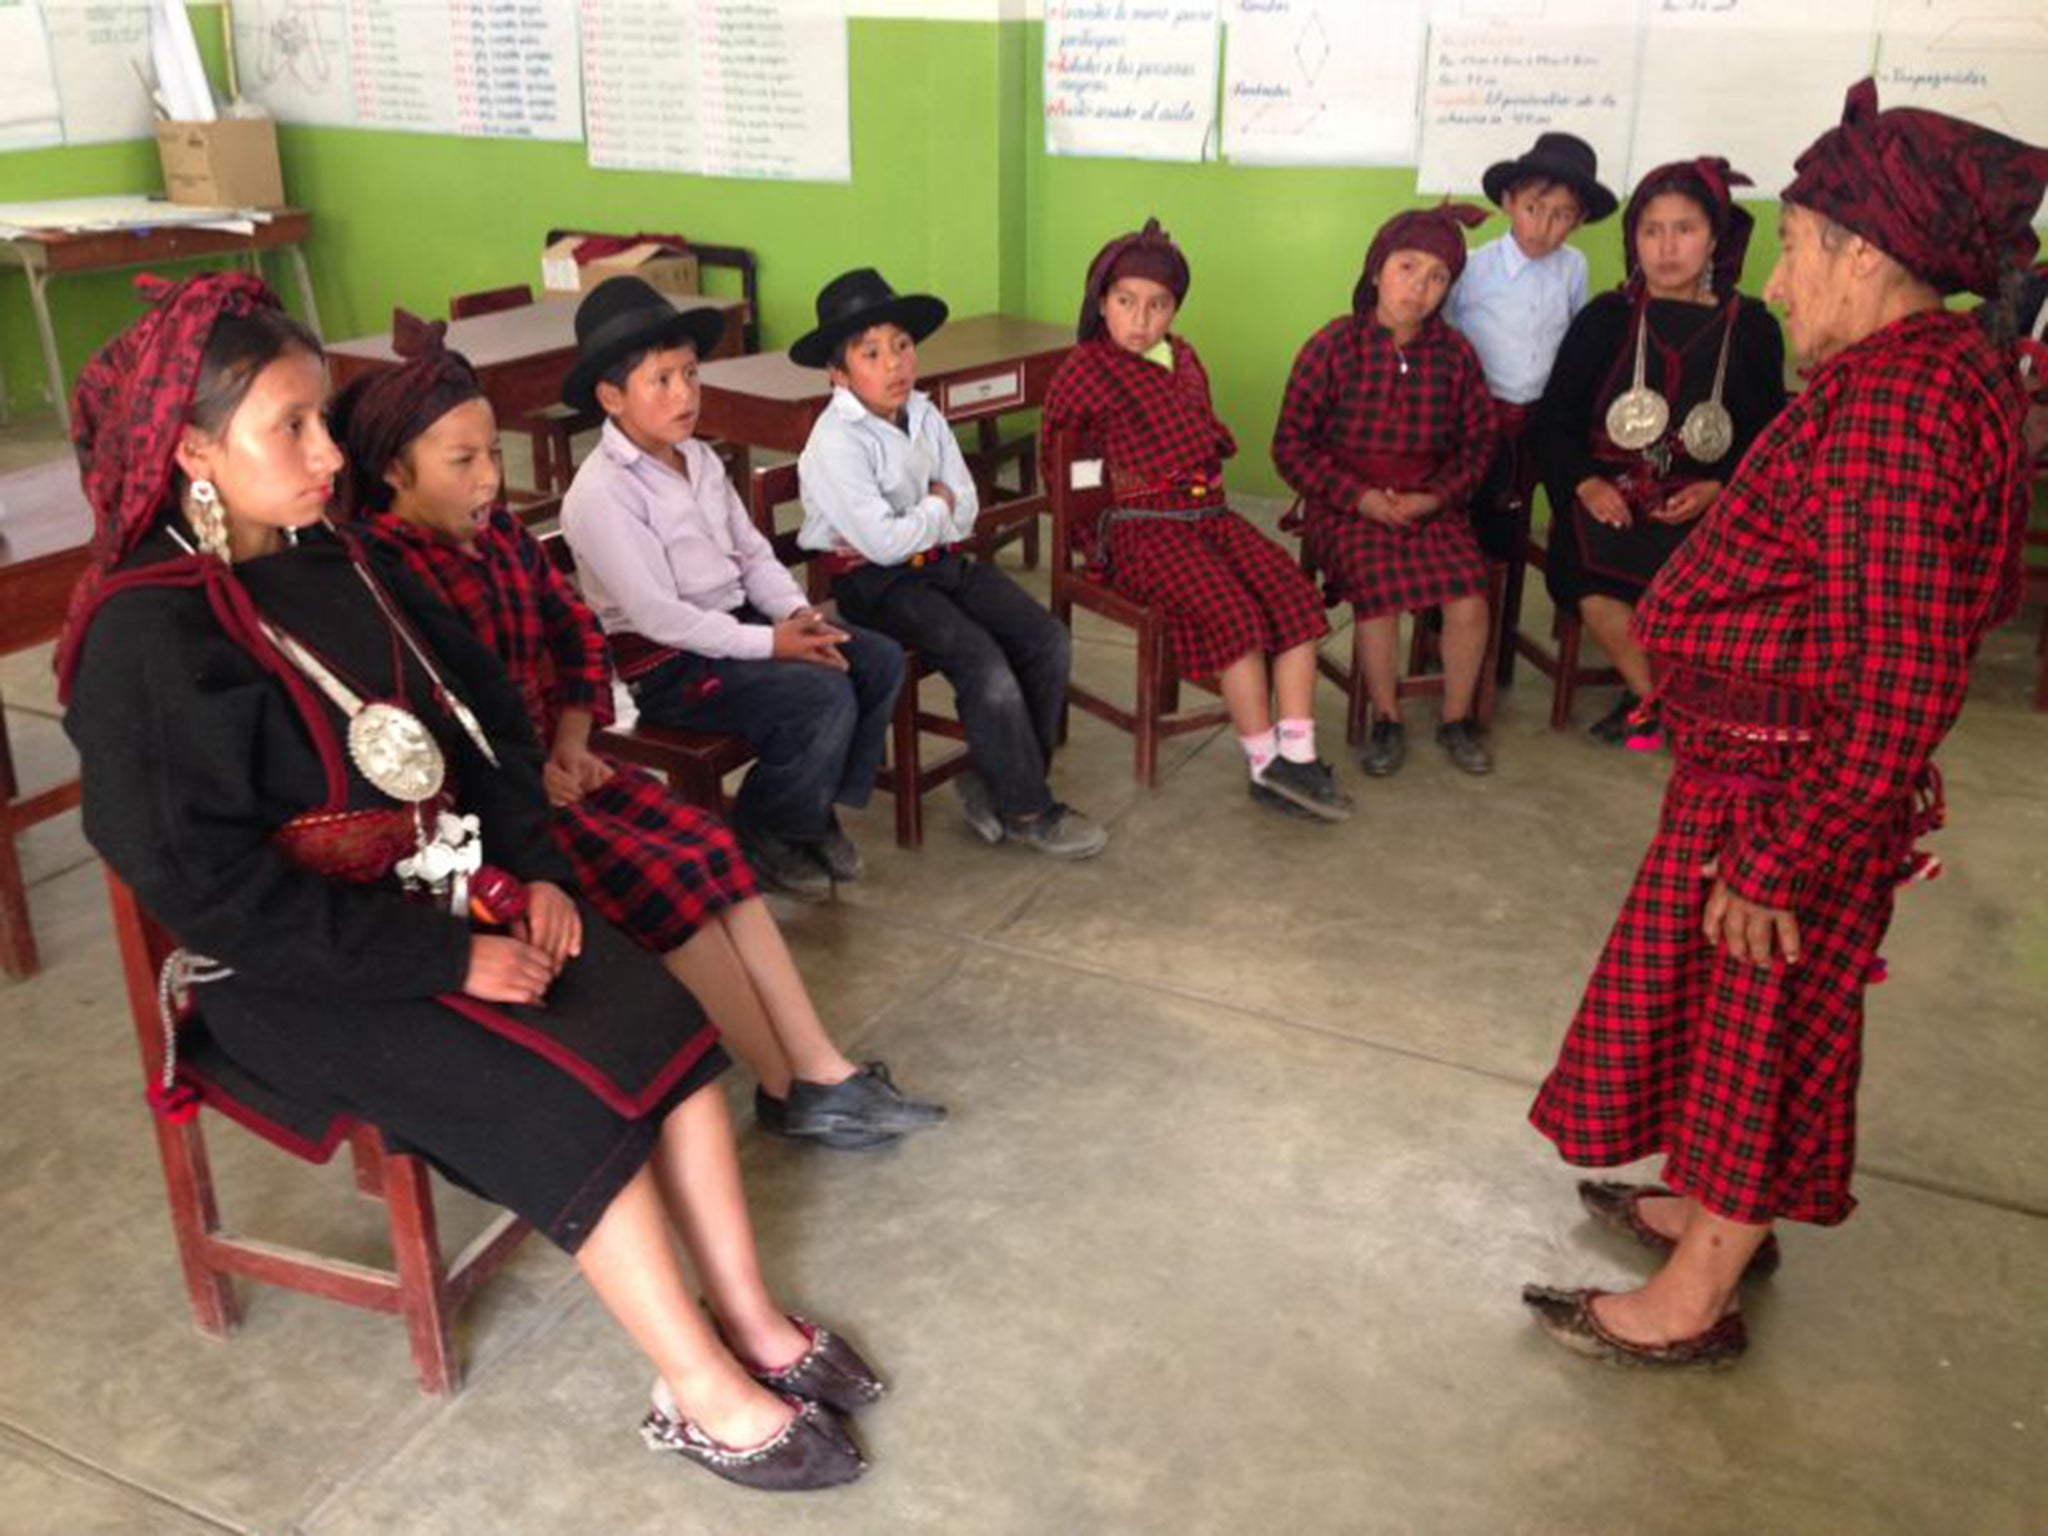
(1567, 1316)
(811, 1451)
(831, 1371)
(1613, 1204)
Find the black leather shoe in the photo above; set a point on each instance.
(831, 1372)
(813, 1450)
(837, 853)
(1310, 786)
(1463, 747)
(1612, 727)
(1386, 750)
(791, 868)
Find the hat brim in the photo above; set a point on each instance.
(1595, 200)
(703, 328)
(918, 313)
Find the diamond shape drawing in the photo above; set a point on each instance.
(1312, 48)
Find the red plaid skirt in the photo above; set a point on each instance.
(1744, 1078)
(1226, 589)
(656, 867)
(1381, 570)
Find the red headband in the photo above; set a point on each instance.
(1148, 253)
(1438, 231)
(378, 413)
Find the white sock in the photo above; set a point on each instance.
(1259, 751)
(1298, 740)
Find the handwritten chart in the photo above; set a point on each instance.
(1978, 59)
(1323, 82)
(30, 114)
(94, 48)
(1131, 79)
(1499, 72)
(1776, 81)
(749, 88)
(480, 68)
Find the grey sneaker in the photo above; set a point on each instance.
(1386, 750)
(1462, 745)
(772, 1115)
(867, 1103)
(1310, 786)
(791, 868)
(1062, 832)
(837, 853)
(978, 806)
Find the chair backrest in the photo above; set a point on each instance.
(736, 258)
(489, 301)
(1076, 492)
(540, 513)
(776, 485)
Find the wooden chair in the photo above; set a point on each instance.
(1423, 677)
(907, 777)
(1007, 518)
(548, 431)
(1561, 665)
(1155, 714)
(420, 1286)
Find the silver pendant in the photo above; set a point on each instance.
(1708, 432)
(1637, 418)
(445, 859)
(396, 753)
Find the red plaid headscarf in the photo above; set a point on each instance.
(1951, 202)
(1438, 231)
(1147, 253)
(1709, 181)
(128, 413)
(377, 414)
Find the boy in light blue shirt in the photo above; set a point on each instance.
(1514, 303)
(888, 502)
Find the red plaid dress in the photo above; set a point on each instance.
(1226, 589)
(1361, 413)
(1865, 545)
(653, 866)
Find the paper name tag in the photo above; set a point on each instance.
(1085, 474)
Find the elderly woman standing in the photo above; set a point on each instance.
(1813, 642)
(1658, 391)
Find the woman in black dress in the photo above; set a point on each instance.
(300, 768)
(1659, 389)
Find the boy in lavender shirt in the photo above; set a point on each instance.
(710, 632)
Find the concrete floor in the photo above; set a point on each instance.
(1225, 1234)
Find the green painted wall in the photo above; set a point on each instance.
(952, 191)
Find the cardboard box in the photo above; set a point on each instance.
(228, 164)
(669, 268)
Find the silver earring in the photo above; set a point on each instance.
(209, 519)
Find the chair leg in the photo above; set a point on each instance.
(195, 1216)
(1151, 664)
(367, 1152)
(905, 771)
(1358, 703)
(1496, 626)
(416, 1254)
(1567, 681)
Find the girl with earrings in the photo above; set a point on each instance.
(1658, 391)
(327, 791)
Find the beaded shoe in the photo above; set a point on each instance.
(811, 1451)
(1567, 1316)
(830, 1371)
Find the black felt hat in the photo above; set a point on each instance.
(624, 315)
(1560, 157)
(855, 301)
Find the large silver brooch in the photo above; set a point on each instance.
(396, 753)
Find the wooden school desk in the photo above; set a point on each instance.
(45, 525)
(521, 355)
(47, 254)
(976, 369)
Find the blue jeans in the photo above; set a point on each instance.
(1006, 657)
(820, 733)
